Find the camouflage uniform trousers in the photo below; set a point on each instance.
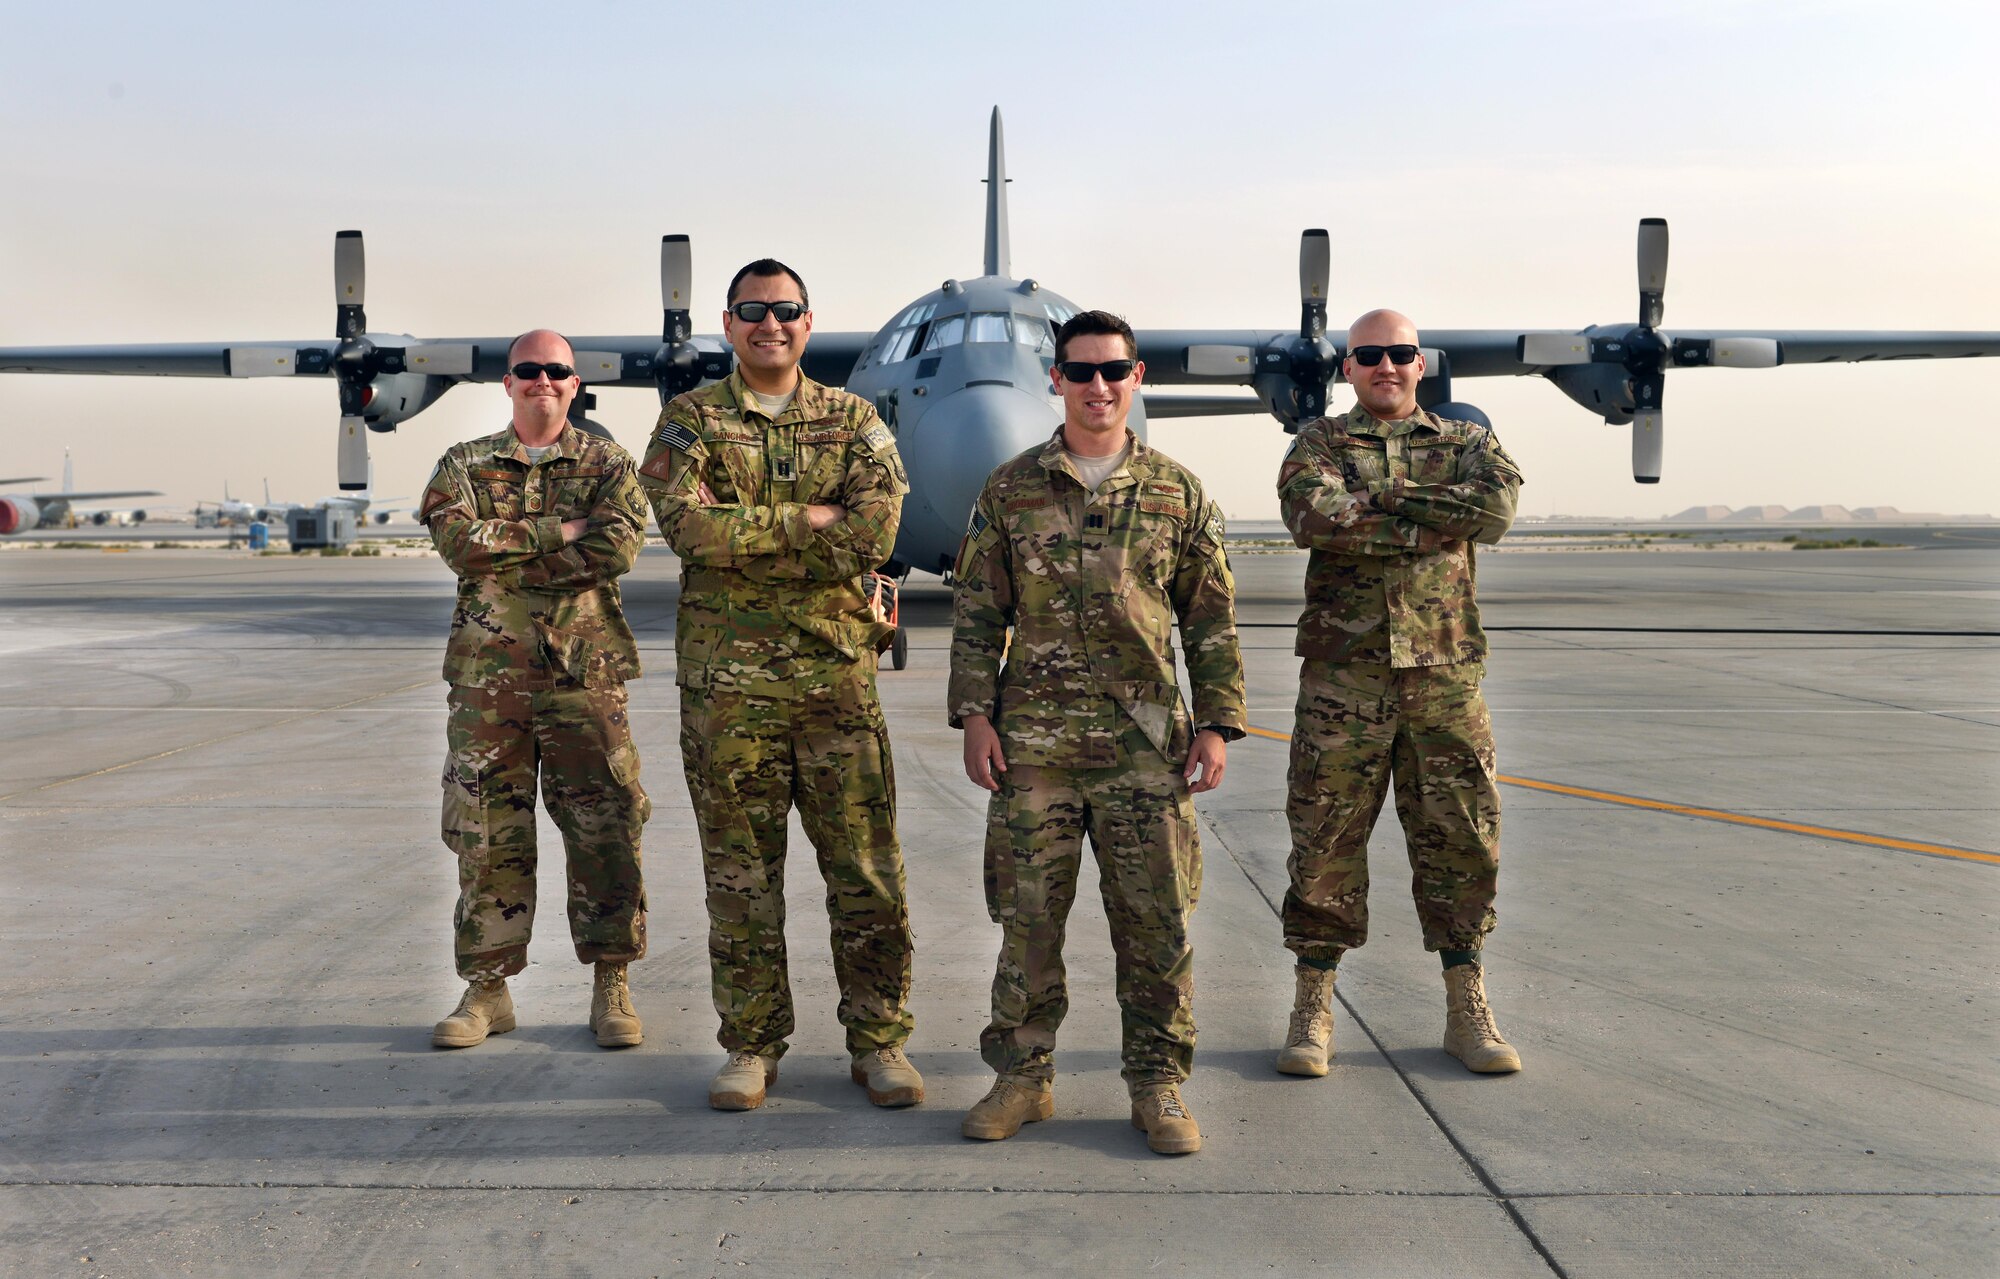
(1141, 826)
(749, 759)
(580, 742)
(1358, 725)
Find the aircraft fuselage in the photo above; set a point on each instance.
(961, 376)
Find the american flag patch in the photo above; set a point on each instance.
(674, 435)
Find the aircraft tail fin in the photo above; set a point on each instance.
(997, 251)
(69, 474)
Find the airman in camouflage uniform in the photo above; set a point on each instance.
(778, 494)
(1083, 730)
(537, 663)
(1391, 500)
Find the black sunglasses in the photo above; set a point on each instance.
(1370, 356)
(754, 312)
(1081, 371)
(528, 371)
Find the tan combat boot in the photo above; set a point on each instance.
(888, 1076)
(611, 1013)
(741, 1082)
(1469, 1032)
(1157, 1110)
(1012, 1101)
(484, 1009)
(1309, 1038)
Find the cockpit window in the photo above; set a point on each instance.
(949, 331)
(1032, 332)
(1059, 313)
(897, 343)
(988, 326)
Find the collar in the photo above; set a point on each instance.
(1055, 458)
(808, 401)
(568, 444)
(1359, 421)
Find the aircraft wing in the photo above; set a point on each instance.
(1222, 357)
(1819, 346)
(25, 479)
(45, 498)
(622, 359)
(1162, 405)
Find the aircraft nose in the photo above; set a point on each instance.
(954, 445)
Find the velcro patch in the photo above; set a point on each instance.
(840, 435)
(1161, 506)
(978, 524)
(434, 500)
(1026, 504)
(676, 435)
(1162, 486)
(877, 437)
(490, 475)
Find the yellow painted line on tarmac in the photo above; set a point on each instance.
(1721, 815)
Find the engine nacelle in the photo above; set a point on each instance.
(382, 517)
(398, 397)
(18, 514)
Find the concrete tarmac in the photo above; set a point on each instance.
(1747, 950)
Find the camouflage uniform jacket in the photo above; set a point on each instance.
(1091, 585)
(1390, 511)
(532, 609)
(761, 590)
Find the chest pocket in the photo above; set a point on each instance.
(572, 494)
(822, 460)
(498, 492)
(735, 469)
(1434, 461)
(1146, 526)
(1363, 460)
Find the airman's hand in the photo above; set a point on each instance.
(704, 494)
(983, 760)
(825, 514)
(1208, 756)
(573, 529)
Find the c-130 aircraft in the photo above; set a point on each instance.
(961, 374)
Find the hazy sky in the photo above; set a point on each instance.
(177, 173)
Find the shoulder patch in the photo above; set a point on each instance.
(978, 524)
(675, 435)
(877, 437)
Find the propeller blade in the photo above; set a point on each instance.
(600, 366)
(1315, 266)
(1218, 361)
(441, 359)
(1555, 348)
(676, 285)
(353, 463)
(261, 361)
(1746, 353)
(1652, 271)
(350, 282)
(1646, 441)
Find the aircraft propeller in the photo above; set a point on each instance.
(354, 360)
(1645, 353)
(1304, 365)
(680, 365)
